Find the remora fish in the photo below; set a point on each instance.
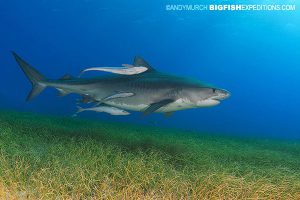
(125, 70)
(106, 109)
(152, 91)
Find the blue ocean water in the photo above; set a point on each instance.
(253, 54)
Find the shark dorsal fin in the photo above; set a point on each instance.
(139, 61)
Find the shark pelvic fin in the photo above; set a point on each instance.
(62, 92)
(155, 106)
(139, 61)
(79, 109)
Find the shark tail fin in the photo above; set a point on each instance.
(35, 77)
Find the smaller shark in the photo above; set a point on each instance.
(147, 92)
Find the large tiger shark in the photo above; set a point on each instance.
(147, 92)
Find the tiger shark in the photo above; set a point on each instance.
(147, 92)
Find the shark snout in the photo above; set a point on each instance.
(222, 94)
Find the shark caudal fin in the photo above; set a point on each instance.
(33, 75)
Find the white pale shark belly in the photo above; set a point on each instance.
(180, 104)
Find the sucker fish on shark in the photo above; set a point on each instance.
(106, 109)
(125, 70)
(147, 92)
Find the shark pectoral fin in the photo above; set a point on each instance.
(155, 106)
(118, 95)
(168, 114)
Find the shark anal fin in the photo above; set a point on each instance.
(155, 106)
(118, 95)
(86, 99)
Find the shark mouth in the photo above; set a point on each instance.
(218, 99)
(208, 102)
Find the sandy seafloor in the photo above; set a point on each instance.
(48, 157)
